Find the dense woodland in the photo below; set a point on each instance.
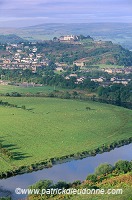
(117, 93)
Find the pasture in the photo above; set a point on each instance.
(110, 66)
(50, 127)
(25, 90)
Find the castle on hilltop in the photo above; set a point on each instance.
(68, 38)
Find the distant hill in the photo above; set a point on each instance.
(109, 53)
(120, 33)
(94, 52)
(11, 38)
(88, 52)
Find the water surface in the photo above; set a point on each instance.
(70, 171)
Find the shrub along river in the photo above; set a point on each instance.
(69, 171)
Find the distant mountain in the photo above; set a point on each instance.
(11, 38)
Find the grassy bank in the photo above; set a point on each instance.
(55, 128)
(113, 182)
(123, 181)
(108, 182)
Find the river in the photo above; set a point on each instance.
(69, 171)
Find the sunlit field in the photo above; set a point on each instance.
(49, 127)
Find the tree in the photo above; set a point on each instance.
(92, 177)
(61, 184)
(55, 39)
(103, 169)
(100, 90)
(42, 184)
(23, 107)
(67, 95)
(88, 108)
(123, 166)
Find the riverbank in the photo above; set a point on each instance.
(68, 171)
(4, 193)
(58, 160)
(104, 182)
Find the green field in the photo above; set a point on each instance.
(109, 66)
(52, 127)
(39, 89)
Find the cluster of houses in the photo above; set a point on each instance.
(111, 70)
(124, 70)
(101, 80)
(23, 57)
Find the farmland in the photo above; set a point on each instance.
(25, 90)
(47, 126)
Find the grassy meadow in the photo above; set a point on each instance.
(25, 90)
(109, 66)
(50, 127)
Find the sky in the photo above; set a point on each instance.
(22, 13)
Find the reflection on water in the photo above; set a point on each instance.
(70, 171)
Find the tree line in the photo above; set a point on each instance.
(117, 93)
(5, 152)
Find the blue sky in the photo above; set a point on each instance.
(20, 13)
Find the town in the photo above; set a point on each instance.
(65, 100)
(30, 56)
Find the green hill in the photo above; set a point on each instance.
(11, 38)
(93, 52)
